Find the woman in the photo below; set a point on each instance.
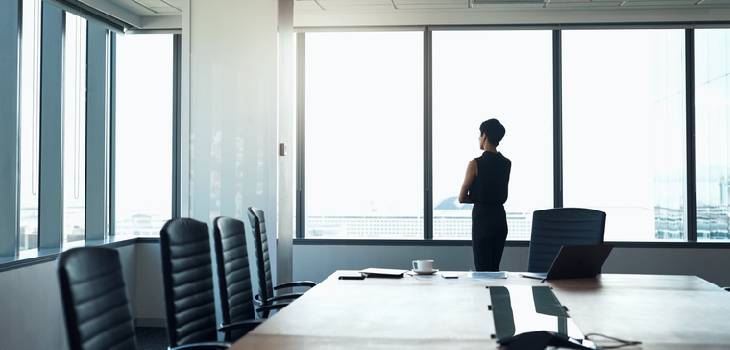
(485, 185)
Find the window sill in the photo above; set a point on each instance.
(36, 256)
(450, 243)
(397, 242)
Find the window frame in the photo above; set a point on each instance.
(557, 67)
(35, 115)
(176, 126)
(80, 96)
(300, 219)
(51, 35)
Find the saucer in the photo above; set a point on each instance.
(425, 272)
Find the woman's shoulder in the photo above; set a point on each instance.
(505, 158)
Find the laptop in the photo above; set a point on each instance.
(575, 261)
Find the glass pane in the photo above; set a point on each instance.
(74, 121)
(624, 130)
(364, 135)
(712, 81)
(29, 109)
(143, 170)
(479, 75)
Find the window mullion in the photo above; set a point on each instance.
(427, 135)
(689, 44)
(9, 132)
(557, 120)
(96, 124)
(50, 206)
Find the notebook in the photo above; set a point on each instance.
(373, 272)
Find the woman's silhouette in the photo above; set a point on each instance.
(485, 185)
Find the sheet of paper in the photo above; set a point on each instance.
(489, 275)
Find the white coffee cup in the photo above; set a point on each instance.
(422, 265)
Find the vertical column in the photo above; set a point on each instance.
(112, 129)
(50, 215)
(689, 42)
(96, 131)
(286, 131)
(427, 136)
(557, 119)
(301, 208)
(9, 136)
(176, 126)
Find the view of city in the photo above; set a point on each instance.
(712, 223)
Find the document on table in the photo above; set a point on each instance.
(487, 275)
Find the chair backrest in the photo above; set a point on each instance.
(554, 228)
(261, 245)
(94, 298)
(234, 274)
(188, 282)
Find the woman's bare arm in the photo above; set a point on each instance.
(471, 174)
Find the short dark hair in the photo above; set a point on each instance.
(493, 129)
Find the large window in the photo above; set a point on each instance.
(479, 75)
(712, 89)
(623, 134)
(624, 130)
(143, 133)
(74, 121)
(29, 112)
(364, 135)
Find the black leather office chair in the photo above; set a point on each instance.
(554, 228)
(263, 266)
(188, 283)
(95, 304)
(234, 277)
(94, 298)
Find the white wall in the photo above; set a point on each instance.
(30, 306)
(231, 110)
(316, 262)
(149, 296)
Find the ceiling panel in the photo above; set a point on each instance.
(354, 5)
(149, 7)
(432, 4)
(584, 4)
(660, 3)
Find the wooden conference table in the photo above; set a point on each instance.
(430, 312)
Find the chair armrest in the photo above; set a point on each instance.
(271, 307)
(295, 284)
(247, 325)
(213, 345)
(281, 297)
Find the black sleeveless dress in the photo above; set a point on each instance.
(489, 220)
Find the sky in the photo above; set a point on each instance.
(144, 125)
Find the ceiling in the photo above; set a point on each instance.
(308, 6)
(173, 7)
(160, 14)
